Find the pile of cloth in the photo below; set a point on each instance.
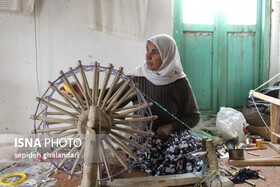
(167, 157)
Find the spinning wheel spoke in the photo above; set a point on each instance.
(70, 98)
(74, 149)
(134, 109)
(60, 113)
(60, 102)
(105, 82)
(56, 108)
(74, 93)
(115, 81)
(59, 132)
(124, 108)
(53, 120)
(64, 145)
(99, 172)
(103, 156)
(86, 89)
(64, 134)
(95, 84)
(116, 96)
(78, 82)
(116, 116)
(129, 141)
(124, 98)
(78, 159)
(65, 98)
(122, 145)
(114, 152)
(54, 129)
(133, 131)
(140, 119)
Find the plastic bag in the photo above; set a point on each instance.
(230, 123)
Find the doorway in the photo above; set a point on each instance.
(224, 48)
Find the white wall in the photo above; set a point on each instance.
(275, 42)
(62, 38)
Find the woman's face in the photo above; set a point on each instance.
(153, 59)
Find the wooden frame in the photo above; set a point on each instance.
(274, 117)
(179, 179)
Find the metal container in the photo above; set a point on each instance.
(236, 154)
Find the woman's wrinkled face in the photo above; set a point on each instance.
(153, 59)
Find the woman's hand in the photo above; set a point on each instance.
(164, 131)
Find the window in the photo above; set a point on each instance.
(237, 12)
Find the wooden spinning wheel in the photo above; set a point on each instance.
(98, 117)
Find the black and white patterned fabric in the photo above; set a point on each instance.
(167, 157)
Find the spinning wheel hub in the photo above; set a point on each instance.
(105, 122)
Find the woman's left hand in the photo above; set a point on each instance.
(164, 131)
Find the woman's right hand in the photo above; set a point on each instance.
(164, 131)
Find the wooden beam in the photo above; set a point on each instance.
(265, 97)
(276, 147)
(256, 162)
(167, 180)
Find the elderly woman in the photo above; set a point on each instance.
(162, 80)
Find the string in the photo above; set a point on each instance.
(200, 136)
(260, 115)
(212, 172)
(250, 96)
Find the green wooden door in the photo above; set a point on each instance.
(221, 56)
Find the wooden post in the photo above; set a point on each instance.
(274, 121)
(91, 153)
(212, 156)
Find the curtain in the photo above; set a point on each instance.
(122, 18)
(24, 6)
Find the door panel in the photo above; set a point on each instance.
(240, 69)
(197, 53)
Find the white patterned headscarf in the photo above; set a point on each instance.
(170, 69)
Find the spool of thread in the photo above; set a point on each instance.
(258, 142)
(255, 137)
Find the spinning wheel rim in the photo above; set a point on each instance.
(81, 111)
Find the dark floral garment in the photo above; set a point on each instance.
(168, 157)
